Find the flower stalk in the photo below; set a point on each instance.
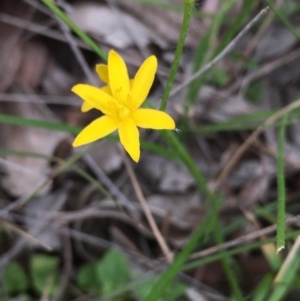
(188, 6)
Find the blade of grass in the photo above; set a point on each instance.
(167, 277)
(187, 160)
(81, 34)
(203, 52)
(55, 126)
(244, 122)
(79, 171)
(281, 186)
(10, 152)
(218, 256)
(188, 6)
(236, 25)
(284, 20)
(263, 288)
(287, 273)
(220, 56)
(233, 160)
(48, 125)
(233, 283)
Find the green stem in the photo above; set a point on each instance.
(81, 34)
(281, 185)
(188, 5)
(189, 163)
(225, 258)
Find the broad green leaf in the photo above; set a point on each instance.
(87, 278)
(14, 279)
(44, 272)
(113, 271)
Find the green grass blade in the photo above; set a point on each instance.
(85, 175)
(251, 246)
(286, 279)
(186, 159)
(236, 25)
(284, 20)
(167, 277)
(281, 185)
(203, 52)
(244, 122)
(225, 260)
(60, 127)
(48, 125)
(261, 291)
(81, 34)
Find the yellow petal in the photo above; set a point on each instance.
(131, 83)
(143, 81)
(99, 128)
(129, 137)
(118, 76)
(85, 107)
(153, 119)
(102, 71)
(95, 97)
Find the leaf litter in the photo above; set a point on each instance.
(37, 65)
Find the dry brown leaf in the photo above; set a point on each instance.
(37, 209)
(107, 156)
(34, 60)
(166, 175)
(10, 46)
(117, 28)
(56, 80)
(276, 40)
(164, 23)
(24, 174)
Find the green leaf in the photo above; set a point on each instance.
(44, 272)
(87, 278)
(173, 292)
(219, 77)
(255, 92)
(14, 279)
(113, 271)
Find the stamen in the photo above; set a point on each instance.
(129, 102)
(118, 94)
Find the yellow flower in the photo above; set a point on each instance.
(119, 101)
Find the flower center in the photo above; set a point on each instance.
(123, 111)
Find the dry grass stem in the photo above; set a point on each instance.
(235, 158)
(139, 194)
(23, 233)
(287, 262)
(244, 239)
(227, 49)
